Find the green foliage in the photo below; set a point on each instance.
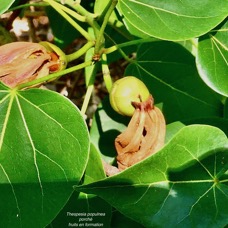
(171, 76)
(187, 179)
(179, 50)
(5, 5)
(172, 20)
(44, 147)
(213, 46)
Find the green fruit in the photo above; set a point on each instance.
(126, 90)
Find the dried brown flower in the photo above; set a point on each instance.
(144, 135)
(22, 62)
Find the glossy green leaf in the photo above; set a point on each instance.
(44, 145)
(80, 206)
(176, 187)
(121, 221)
(170, 73)
(5, 5)
(172, 20)
(212, 59)
(218, 122)
(100, 5)
(106, 125)
(92, 204)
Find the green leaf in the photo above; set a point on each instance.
(5, 5)
(100, 6)
(64, 33)
(91, 204)
(121, 221)
(44, 145)
(106, 125)
(169, 72)
(218, 122)
(177, 186)
(212, 59)
(80, 206)
(172, 20)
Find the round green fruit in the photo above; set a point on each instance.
(126, 90)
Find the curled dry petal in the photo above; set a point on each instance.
(22, 62)
(144, 135)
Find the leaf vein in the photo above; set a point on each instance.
(33, 147)
(51, 118)
(173, 88)
(171, 12)
(54, 162)
(13, 191)
(6, 121)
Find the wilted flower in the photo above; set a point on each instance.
(144, 135)
(22, 62)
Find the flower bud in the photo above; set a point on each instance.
(125, 91)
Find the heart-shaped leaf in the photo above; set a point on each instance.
(212, 59)
(44, 146)
(177, 186)
(172, 20)
(170, 73)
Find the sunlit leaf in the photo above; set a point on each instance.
(44, 148)
(212, 59)
(176, 187)
(5, 5)
(172, 20)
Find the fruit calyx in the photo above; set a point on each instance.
(144, 135)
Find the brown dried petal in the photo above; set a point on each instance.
(16, 50)
(22, 62)
(144, 135)
(21, 71)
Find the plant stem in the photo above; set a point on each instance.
(126, 44)
(39, 4)
(79, 9)
(80, 52)
(87, 99)
(100, 38)
(89, 16)
(55, 5)
(70, 12)
(106, 73)
(54, 75)
(104, 12)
